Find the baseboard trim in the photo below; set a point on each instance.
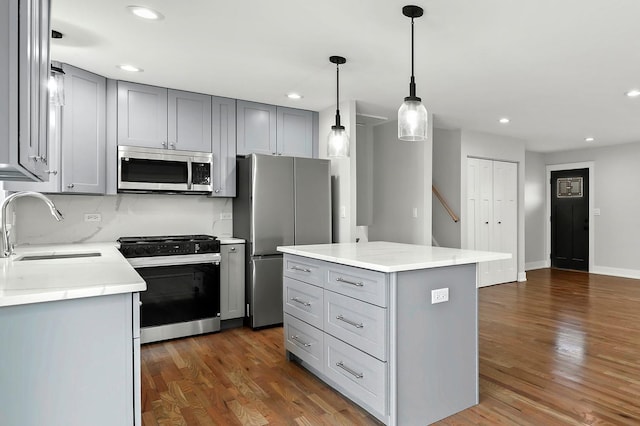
(537, 265)
(522, 277)
(616, 272)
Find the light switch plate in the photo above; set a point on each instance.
(92, 217)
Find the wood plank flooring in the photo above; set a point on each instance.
(561, 349)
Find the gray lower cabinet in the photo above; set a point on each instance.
(232, 282)
(24, 97)
(271, 130)
(224, 146)
(377, 338)
(157, 117)
(71, 362)
(77, 135)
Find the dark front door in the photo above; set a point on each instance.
(570, 219)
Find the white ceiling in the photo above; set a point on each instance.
(558, 69)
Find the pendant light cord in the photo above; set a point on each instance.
(337, 95)
(412, 84)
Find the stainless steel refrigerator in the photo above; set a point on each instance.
(280, 201)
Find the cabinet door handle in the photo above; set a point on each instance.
(172, 145)
(348, 321)
(51, 172)
(297, 268)
(70, 186)
(302, 302)
(164, 144)
(357, 284)
(297, 339)
(349, 370)
(233, 249)
(499, 223)
(217, 190)
(486, 223)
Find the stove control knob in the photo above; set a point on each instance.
(125, 250)
(139, 250)
(150, 250)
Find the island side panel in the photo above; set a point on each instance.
(436, 344)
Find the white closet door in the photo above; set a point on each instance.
(492, 218)
(505, 220)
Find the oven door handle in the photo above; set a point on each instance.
(149, 262)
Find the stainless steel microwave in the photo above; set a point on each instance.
(164, 170)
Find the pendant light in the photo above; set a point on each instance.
(338, 140)
(412, 115)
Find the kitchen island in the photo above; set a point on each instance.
(391, 326)
(69, 327)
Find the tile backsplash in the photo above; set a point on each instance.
(121, 215)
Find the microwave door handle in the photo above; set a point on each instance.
(189, 177)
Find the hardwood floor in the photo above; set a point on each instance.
(562, 348)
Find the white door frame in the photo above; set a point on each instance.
(570, 166)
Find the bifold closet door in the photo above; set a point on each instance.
(492, 215)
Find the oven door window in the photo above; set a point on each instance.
(153, 171)
(179, 293)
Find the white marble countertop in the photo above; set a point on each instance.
(231, 240)
(391, 257)
(34, 281)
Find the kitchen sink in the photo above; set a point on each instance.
(57, 256)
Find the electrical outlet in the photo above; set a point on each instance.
(439, 295)
(415, 212)
(226, 216)
(92, 217)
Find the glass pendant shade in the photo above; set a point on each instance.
(338, 142)
(412, 121)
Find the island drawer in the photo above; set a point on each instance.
(304, 301)
(304, 341)
(304, 269)
(363, 377)
(362, 284)
(357, 323)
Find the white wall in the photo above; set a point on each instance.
(494, 147)
(343, 172)
(535, 215)
(616, 194)
(122, 215)
(446, 178)
(401, 182)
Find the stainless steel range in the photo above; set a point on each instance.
(183, 284)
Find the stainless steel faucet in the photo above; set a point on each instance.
(7, 248)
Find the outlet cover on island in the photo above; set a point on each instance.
(439, 295)
(92, 217)
(226, 216)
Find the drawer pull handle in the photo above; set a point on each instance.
(302, 302)
(348, 321)
(350, 371)
(297, 268)
(297, 339)
(357, 284)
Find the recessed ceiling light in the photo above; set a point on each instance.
(145, 13)
(589, 139)
(294, 96)
(130, 68)
(633, 93)
(504, 120)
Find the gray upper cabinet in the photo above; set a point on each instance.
(294, 132)
(256, 128)
(224, 146)
(155, 117)
(24, 98)
(271, 130)
(83, 132)
(77, 138)
(142, 115)
(189, 121)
